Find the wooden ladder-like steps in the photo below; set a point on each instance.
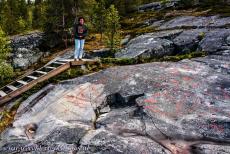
(25, 83)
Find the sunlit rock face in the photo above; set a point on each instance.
(160, 107)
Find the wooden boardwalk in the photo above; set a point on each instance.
(24, 83)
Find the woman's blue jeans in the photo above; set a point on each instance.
(79, 45)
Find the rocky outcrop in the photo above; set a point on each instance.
(125, 40)
(196, 22)
(26, 49)
(103, 53)
(147, 47)
(158, 5)
(160, 107)
(181, 35)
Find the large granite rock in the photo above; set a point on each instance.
(188, 40)
(196, 22)
(215, 40)
(160, 107)
(26, 49)
(147, 47)
(165, 4)
(181, 35)
(158, 5)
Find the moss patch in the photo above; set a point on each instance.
(131, 61)
(8, 116)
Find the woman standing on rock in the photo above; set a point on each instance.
(80, 31)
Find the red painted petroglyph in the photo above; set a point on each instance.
(76, 100)
(186, 78)
(150, 100)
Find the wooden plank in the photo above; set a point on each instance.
(32, 77)
(41, 72)
(90, 60)
(2, 93)
(12, 87)
(65, 60)
(50, 67)
(58, 63)
(56, 70)
(22, 82)
(82, 62)
(31, 84)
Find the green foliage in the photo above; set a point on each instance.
(121, 6)
(119, 61)
(132, 61)
(7, 116)
(29, 19)
(38, 14)
(61, 14)
(14, 16)
(21, 25)
(98, 17)
(6, 70)
(164, 1)
(4, 46)
(112, 27)
(201, 35)
(185, 56)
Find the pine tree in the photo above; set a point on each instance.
(9, 20)
(13, 16)
(22, 9)
(6, 70)
(38, 17)
(29, 19)
(121, 6)
(112, 27)
(98, 18)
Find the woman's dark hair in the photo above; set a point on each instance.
(81, 18)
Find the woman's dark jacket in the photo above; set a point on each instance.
(80, 30)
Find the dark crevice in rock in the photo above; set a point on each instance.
(97, 112)
(116, 100)
(151, 118)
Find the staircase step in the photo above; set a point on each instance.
(2, 93)
(41, 72)
(32, 77)
(58, 63)
(12, 87)
(50, 67)
(64, 60)
(22, 82)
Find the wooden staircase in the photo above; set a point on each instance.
(24, 83)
